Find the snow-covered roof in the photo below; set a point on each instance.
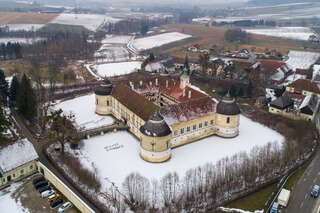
(17, 154)
(305, 101)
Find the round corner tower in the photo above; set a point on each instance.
(228, 117)
(103, 98)
(155, 144)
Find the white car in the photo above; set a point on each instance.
(47, 193)
(64, 207)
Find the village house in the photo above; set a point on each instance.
(154, 66)
(275, 72)
(303, 87)
(164, 113)
(17, 161)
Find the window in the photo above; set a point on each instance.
(167, 144)
(14, 175)
(175, 132)
(31, 167)
(194, 127)
(228, 120)
(188, 129)
(182, 131)
(152, 147)
(200, 125)
(108, 103)
(97, 101)
(9, 178)
(211, 122)
(3, 180)
(206, 123)
(21, 171)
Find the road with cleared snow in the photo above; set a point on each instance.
(300, 200)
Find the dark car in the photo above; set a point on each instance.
(37, 180)
(40, 184)
(44, 188)
(55, 203)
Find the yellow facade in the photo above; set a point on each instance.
(18, 173)
(155, 149)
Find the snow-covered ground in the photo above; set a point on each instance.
(25, 27)
(116, 69)
(83, 108)
(112, 53)
(20, 40)
(122, 149)
(297, 33)
(158, 40)
(113, 39)
(301, 60)
(7, 203)
(90, 21)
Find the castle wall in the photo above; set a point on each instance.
(228, 125)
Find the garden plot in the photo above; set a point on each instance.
(84, 110)
(301, 60)
(296, 33)
(89, 21)
(8, 204)
(115, 69)
(158, 40)
(116, 155)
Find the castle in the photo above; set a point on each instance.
(164, 113)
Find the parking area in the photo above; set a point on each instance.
(31, 199)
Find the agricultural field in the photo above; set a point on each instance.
(296, 33)
(25, 18)
(115, 69)
(158, 40)
(302, 60)
(89, 21)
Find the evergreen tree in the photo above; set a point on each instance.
(4, 124)
(233, 91)
(14, 90)
(186, 62)
(249, 89)
(27, 104)
(240, 92)
(3, 89)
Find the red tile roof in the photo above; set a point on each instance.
(178, 60)
(270, 67)
(168, 87)
(178, 113)
(295, 96)
(304, 84)
(134, 102)
(242, 64)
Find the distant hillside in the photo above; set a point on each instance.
(277, 2)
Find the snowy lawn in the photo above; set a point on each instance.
(84, 110)
(301, 60)
(111, 53)
(90, 21)
(116, 155)
(25, 27)
(297, 33)
(116, 69)
(158, 40)
(113, 39)
(20, 40)
(7, 203)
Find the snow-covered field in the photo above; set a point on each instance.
(111, 53)
(301, 60)
(25, 27)
(116, 69)
(7, 203)
(83, 108)
(158, 40)
(122, 149)
(20, 40)
(297, 33)
(113, 39)
(90, 21)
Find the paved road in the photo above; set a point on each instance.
(43, 159)
(300, 200)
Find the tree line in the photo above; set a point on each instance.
(10, 50)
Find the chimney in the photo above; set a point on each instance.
(167, 83)
(184, 92)
(140, 83)
(156, 81)
(150, 83)
(189, 94)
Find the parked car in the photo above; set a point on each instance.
(40, 184)
(274, 208)
(44, 188)
(315, 191)
(53, 197)
(47, 193)
(64, 207)
(55, 203)
(37, 180)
